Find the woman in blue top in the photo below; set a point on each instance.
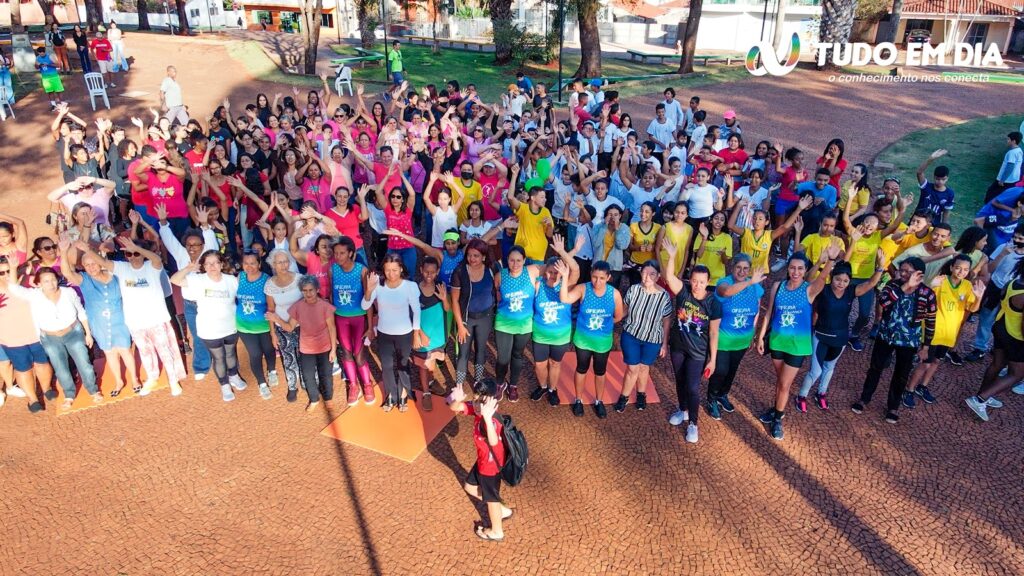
(348, 281)
(600, 309)
(251, 320)
(789, 315)
(516, 288)
(473, 308)
(552, 325)
(429, 342)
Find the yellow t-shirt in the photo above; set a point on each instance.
(862, 260)
(952, 306)
(711, 257)
(757, 248)
(681, 240)
(890, 247)
(531, 235)
(470, 195)
(640, 237)
(860, 199)
(815, 244)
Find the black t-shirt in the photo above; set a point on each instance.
(221, 135)
(691, 329)
(833, 316)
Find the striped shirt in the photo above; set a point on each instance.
(646, 311)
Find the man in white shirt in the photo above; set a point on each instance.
(673, 111)
(1010, 170)
(596, 97)
(700, 130)
(660, 130)
(688, 121)
(170, 98)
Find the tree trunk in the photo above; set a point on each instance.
(366, 14)
(836, 25)
(311, 10)
(183, 27)
(47, 9)
(143, 10)
(690, 36)
(894, 22)
(501, 22)
(435, 6)
(590, 39)
(16, 26)
(92, 15)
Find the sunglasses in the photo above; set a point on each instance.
(4, 272)
(250, 252)
(48, 248)
(396, 197)
(128, 254)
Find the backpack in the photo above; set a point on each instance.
(517, 454)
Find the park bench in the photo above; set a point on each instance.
(452, 42)
(644, 55)
(364, 57)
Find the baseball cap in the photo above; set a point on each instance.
(596, 82)
(729, 114)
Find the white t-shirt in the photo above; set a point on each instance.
(639, 197)
(398, 309)
(215, 317)
(697, 138)
(661, 132)
(701, 200)
(444, 220)
(283, 297)
(476, 231)
(172, 92)
(755, 201)
(601, 205)
(142, 295)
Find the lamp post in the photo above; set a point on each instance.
(561, 39)
(167, 12)
(209, 16)
(384, 25)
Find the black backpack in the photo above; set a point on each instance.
(517, 454)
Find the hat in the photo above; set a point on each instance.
(596, 82)
(729, 114)
(489, 165)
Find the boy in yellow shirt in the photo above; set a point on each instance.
(535, 223)
(757, 242)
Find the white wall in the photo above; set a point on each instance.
(738, 30)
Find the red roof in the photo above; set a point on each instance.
(965, 7)
(675, 4)
(640, 8)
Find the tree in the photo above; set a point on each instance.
(311, 10)
(836, 24)
(143, 9)
(47, 7)
(689, 30)
(894, 22)
(590, 39)
(501, 23)
(16, 26)
(366, 14)
(92, 15)
(179, 7)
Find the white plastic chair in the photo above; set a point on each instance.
(344, 79)
(5, 101)
(97, 87)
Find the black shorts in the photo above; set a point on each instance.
(584, 358)
(790, 359)
(936, 353)
(1012, 348)
(545, 352)
(490, 486)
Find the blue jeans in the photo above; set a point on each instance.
(408, 258)
(200, 355)
(83, 55)
(58, 348)
(820, 368)
(865, 304)
(983, 337)
(397, 78)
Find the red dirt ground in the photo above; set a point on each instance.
(192, 485)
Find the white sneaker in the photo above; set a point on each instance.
(199, 376)
(272, 378)
(225, 393)
(979, 408)
(1004, 372)
(265, 392)
(237, 383)
(336, 369)
(147, 387)
(993, 402)
(691, 433)
(678, 417)
(1018, 389)
(15, 392)
(175, 388)
(3, 398)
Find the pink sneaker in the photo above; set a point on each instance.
(368, 396)
(801, 404)
(822, 401)
(353, 394)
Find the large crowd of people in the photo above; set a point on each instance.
(316, 231)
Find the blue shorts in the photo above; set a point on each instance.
(3, 355)
(397, 78)
(636, 351)
(783, 207)
(24, 357)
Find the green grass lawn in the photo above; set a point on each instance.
(257, 63)
(976, 148)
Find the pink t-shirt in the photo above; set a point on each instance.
(318, 191)
(490, 193)
(401, 221)
(314, 337)
(169, 192)
(348, 225)
(316, 267)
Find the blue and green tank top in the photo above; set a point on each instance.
(251, 305)
(347, 290)
(552, 319)
(791, 321)
(596, 320)
(515, 311)
(448, 265)
(736, 330)
(432, 322)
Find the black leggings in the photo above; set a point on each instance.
(260, 348)
(224, 356)
(395, 370)
(510, 348)
(479, 332)
(316, 375)
(688, 371)
(727, 363)
(583, 358)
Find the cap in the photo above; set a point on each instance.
(489, 165)
(729, 114)
(596, 82)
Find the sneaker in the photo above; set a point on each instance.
(1019, 389)
(225, 393)
(403, 405)
(600, 410)
(237, 383)
(925, 394)
(312, 406)
(369, 396)
(777, 433)
(714, 411)
(428, 402)
(553, 397)
(336, 369)
(272, 378)
(822, 401)
(175, 388)
(953, 358)
(641, 401)
(15, 392)
(980, 408)
(513, 393)
(620, 404)
(892, 417)
(856, 345)
(147, 387)
(768, 416)
(353, 394)
(388, 404)
(726, 405)
(35, 407)
(3, 398)
(691, 433)
(678, 417)
(975, 355)
(908, 400)
(858, 407)
(801, 404)
(50, 394)
(293, 394)
(577, 408)
(538, 393)
(993, 402)
(265, 391)
(199, 376)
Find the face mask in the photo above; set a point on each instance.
(1018, 244)
(467, 175)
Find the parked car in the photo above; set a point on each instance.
(919, 37)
